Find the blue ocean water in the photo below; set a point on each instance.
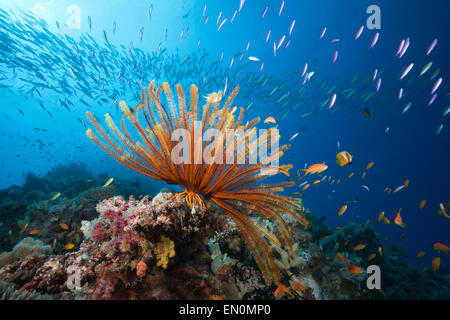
(410, 150)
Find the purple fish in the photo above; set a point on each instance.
(241, 4)
(400, 47)
(264, 12)
(221, 24)
(374, 74)
(405, 47)
(400, 94)
(407, 69)
(292, 27)
(378, 84)
(287, 44)
(436, 85)
(432, 45)
(304, 69)
(335, 56)
(281, 42)
(268, 36)
(204, 10)
(323, 32)
(332, 101)
(374, 40)
(234, 15)
(433, 97)
(281, 8)
(358, 34)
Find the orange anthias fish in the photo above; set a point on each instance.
(315, 168)
(369, 165)
(440, 247)
(371, 256)
(380, 216)
(216, 297)
(281, 290)
(398, 219)
(359, 247)
(34, 232)
(351, 175)
(406, 183)
(355, 270)
(64, 226)
(420, 254)
(422, 204)
(435, 264)
(341, 257)
(342, 210)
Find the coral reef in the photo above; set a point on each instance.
(27, 208)
(159, 248)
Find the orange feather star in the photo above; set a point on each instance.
(232, 186)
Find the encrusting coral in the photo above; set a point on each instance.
(231, 185)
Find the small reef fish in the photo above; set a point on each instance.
(435, 264)
(406, 183)
(431, 47)
(253, 59)
(351, 174)
(380, 216)
(422, 204)
(358, 33)
(420, 254)
(55, 196)
(440, 247)
(399, 188)
(355, 270)
(374, 40)
(359, 247)
(406, 71)
(369, 165)
(293, 137)
(64, 226)
(69, 246)
(342, 210)
(34, 232)
(371, 256)
(110, 180)
(281, 290)
(343, 158)
(315, 168)
(323, 32)
(425, 68)
(341, 257)
(398, 219)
